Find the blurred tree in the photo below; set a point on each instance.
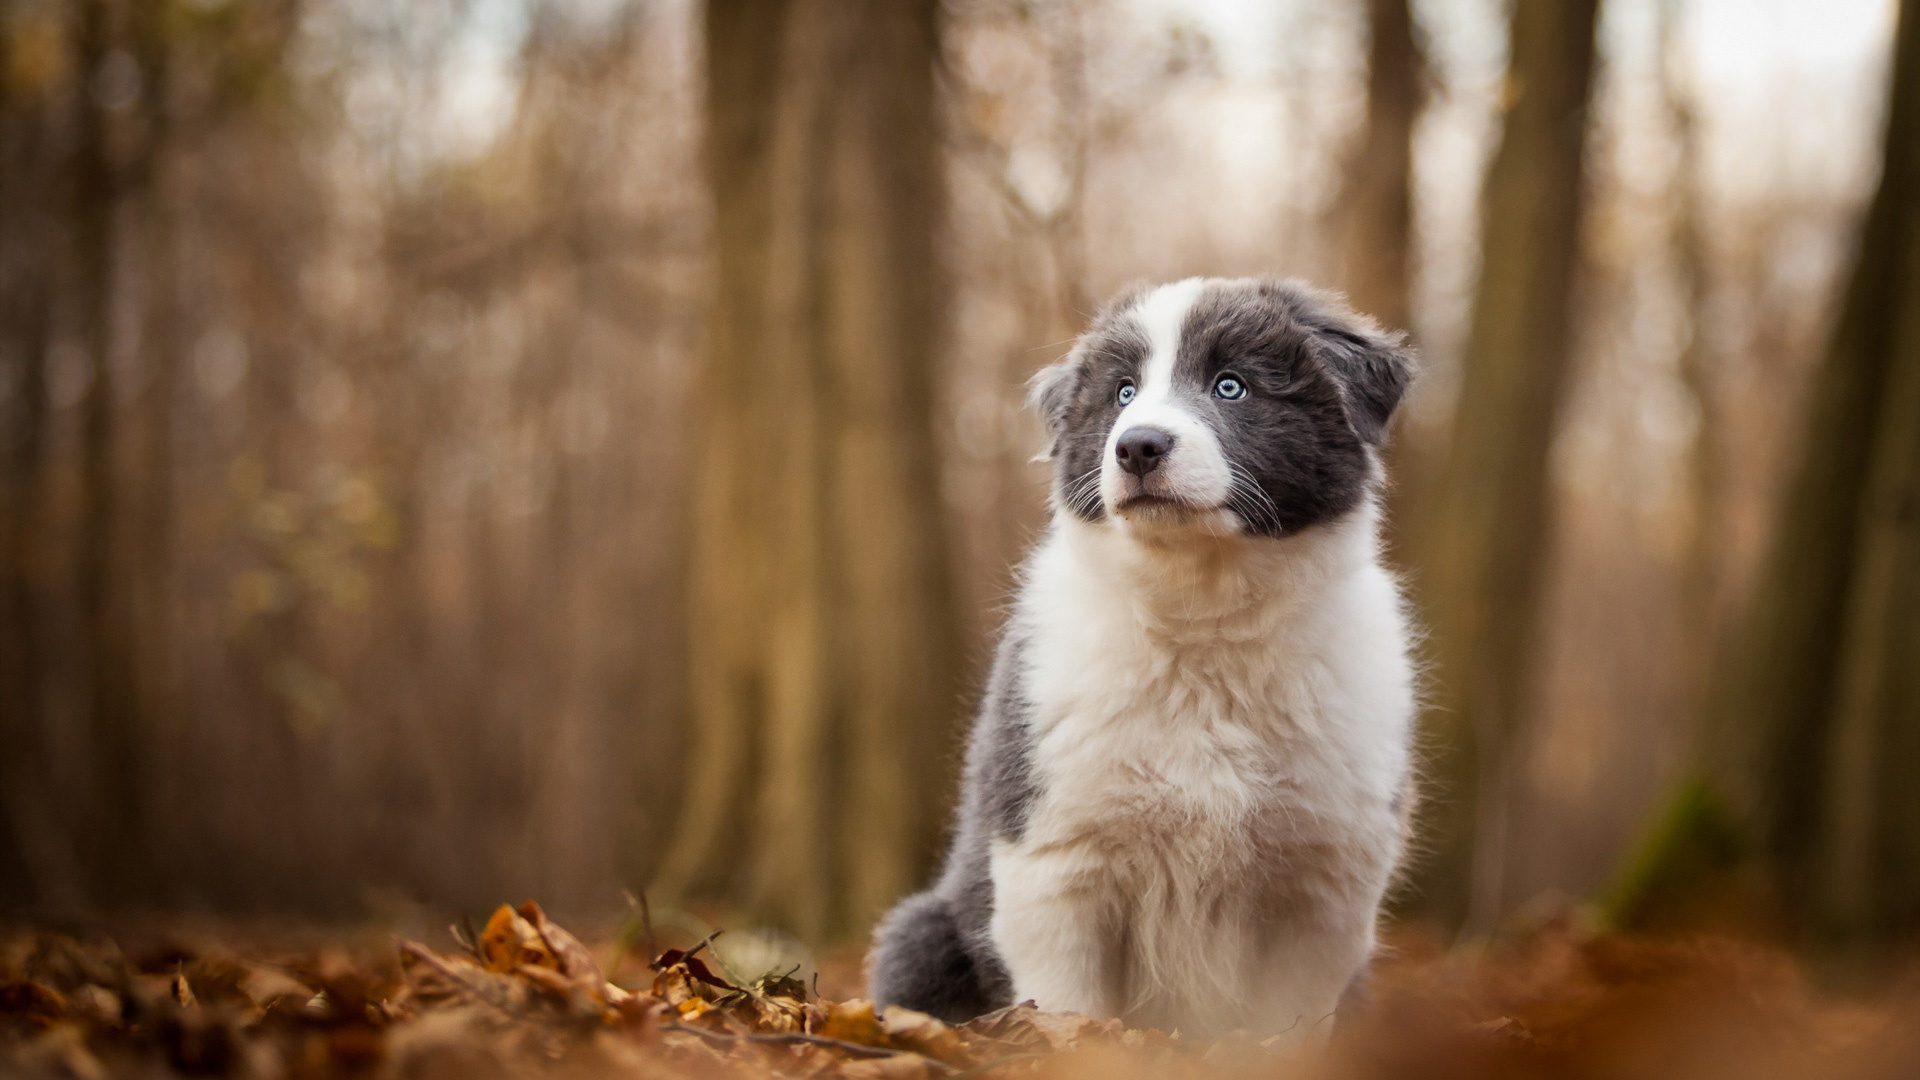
(1039, 264)
(239, 563)
(91, 302)
(80, 127)
(1688, 242)
(1486, 543)
(27, 162)
(117, 55)
(823, 639)
(1375, 222)
(1813, 722)
(1377, 210)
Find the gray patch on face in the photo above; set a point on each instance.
(1077, 400)
(1294, 458)
(1372, 366)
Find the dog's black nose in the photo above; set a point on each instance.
(1141, 449)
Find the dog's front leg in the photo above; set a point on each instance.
(1056, 925)
(1308, 965)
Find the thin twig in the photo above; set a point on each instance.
(704, 942)
(480, 991)
(646, 925)
(632, 931)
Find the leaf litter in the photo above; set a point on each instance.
(522, 996)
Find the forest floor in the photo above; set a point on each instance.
(523, 997)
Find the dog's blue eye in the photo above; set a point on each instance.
(1125, 396)
(1230, 388)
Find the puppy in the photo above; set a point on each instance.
(1186, 790)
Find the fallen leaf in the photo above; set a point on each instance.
(100, 1004)
(854, 1021)
(63, 1049)
(263, 986)
(923, 1034)
(570, 958)
(510, 941)
(33, 1001)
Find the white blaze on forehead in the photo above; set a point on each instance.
(1195, 470)
(1162, 313)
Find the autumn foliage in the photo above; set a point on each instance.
(522, 996)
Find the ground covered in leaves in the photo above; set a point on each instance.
(523, 997)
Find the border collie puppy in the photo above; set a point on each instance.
(1186, 789)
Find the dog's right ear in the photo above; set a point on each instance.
(1049, 394)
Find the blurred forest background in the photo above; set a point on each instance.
(462, 450)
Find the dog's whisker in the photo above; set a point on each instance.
(1252, 486)
(1246, 496)
(1082, 493)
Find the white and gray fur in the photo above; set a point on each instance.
(1186, 789)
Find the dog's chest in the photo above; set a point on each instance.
(1209, 753)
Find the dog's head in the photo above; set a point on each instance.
(1246, 405)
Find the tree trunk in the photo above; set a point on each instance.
(1488, 541)
(1814, 715)
(823, 642)
(1378, 193)
(116, 831)
(1702, 578)
(74, 166)
(1375, 219)
(25, 334)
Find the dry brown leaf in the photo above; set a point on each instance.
(1013, 1023)
(675, 985)
(1063, 1031)
(263, 986)
(510, 941)
(547, 979)
(854, 1021)
(32, 1001)
(434, 978)
(923, 1034)
(62, 1050)
(1550, 1007)
(570, 958)
(771, 1014)
(98, 1003)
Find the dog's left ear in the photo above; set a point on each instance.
(1372, 366)
(1049, 393)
